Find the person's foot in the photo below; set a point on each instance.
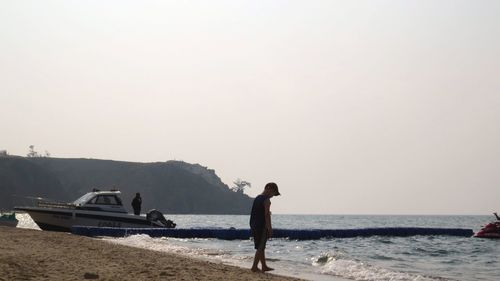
(255, 269)
(267, 268)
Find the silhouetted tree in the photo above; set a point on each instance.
(240, 185)
(32, 152)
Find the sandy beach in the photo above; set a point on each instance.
(27, 254)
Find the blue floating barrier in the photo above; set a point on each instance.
(293, 234)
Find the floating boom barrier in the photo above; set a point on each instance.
(292, 234)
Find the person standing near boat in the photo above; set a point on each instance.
(260, 224)
(136, 204)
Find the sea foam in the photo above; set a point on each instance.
(337, 265)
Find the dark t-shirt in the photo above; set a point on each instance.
(257, 217)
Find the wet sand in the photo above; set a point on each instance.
(27, 254)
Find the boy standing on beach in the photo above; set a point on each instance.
(260, 223)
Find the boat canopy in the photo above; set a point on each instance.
(99, 197)
(108, 201)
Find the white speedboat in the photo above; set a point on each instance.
(96, 208)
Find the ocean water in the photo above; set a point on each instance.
(375, 258)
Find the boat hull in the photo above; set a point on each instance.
(64, 219)
(491, 235)
(491, 230)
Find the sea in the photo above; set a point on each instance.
(416, 258)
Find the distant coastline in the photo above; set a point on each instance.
(173, 187)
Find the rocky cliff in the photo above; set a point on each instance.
(171, 187)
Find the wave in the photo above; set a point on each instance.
(338, 265)
(25, 221)
(164, 244)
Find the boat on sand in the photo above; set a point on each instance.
(96, 208)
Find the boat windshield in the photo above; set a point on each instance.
(84, 199)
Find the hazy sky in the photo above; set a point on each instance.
(352, 107)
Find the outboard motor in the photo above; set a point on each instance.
(155, 215)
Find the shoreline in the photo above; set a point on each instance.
(27, 254)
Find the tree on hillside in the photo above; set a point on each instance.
(33, 153)
(240, 185)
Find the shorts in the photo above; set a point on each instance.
(259, 238)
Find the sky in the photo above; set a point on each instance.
(351, 107)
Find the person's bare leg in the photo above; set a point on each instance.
(256, 259)
(264, 264)
(263, 261)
